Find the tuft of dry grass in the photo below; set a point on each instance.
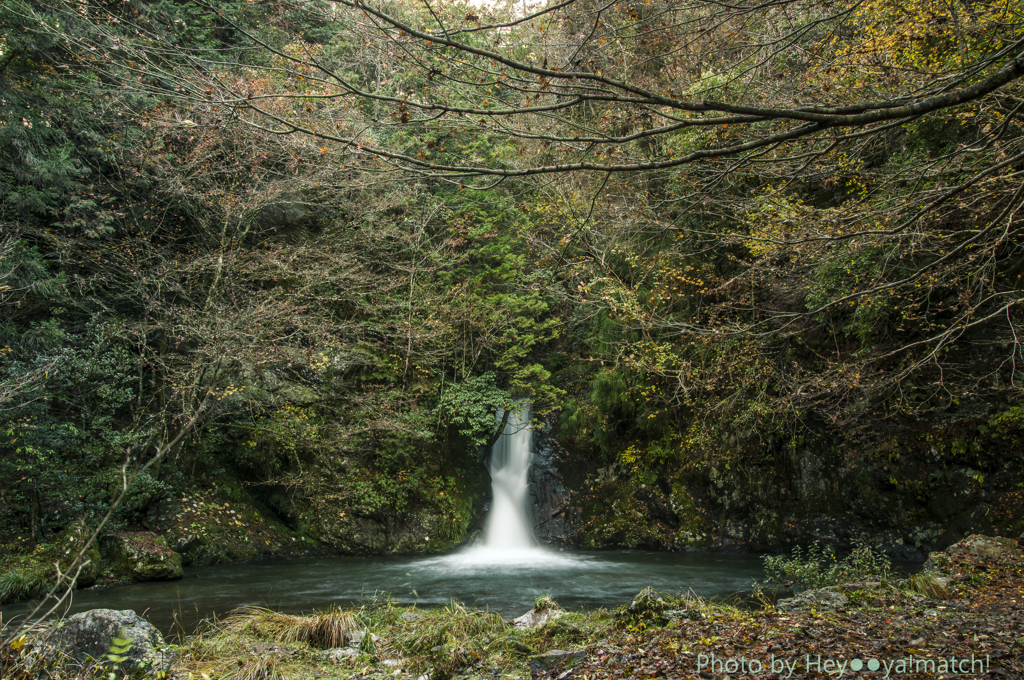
(928, 586)
(330, 629)
(266, 623)
(320, 629)
(255, 667)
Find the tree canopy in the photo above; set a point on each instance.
(339, 235)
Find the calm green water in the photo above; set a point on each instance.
(507, 582)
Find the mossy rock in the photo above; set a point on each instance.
(91, 635)
(69, 543)
(142, 556)
(353, 535)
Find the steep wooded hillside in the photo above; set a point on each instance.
(758, 265)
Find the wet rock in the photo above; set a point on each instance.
(555, 659)
(823, 598)
(536, 618)
(142, 556)
(341, 654)
(554, 521)
(90, 635)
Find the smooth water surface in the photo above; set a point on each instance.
(504, 581)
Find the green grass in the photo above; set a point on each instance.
(22, 583)
(441, 641)
(449, 638)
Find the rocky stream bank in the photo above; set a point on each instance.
(962, 617)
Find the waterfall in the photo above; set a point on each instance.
(508, 534)
(509, 525)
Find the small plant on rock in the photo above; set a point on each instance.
(544, 603)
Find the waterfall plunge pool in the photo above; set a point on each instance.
(506, 581)
(506, 573)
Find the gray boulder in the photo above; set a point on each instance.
(535, 618)
(981, 546)
(976, 546)
(90, 635)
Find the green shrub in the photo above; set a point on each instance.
(818, 566)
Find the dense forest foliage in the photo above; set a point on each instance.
(758, 266)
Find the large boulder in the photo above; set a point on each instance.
(983, 546)
(90, 635)
(975, 548)
(142, 556)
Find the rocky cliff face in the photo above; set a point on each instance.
(907, 488)
(554, 522)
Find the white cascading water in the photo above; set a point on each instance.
(508, 535)
(508, 524)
